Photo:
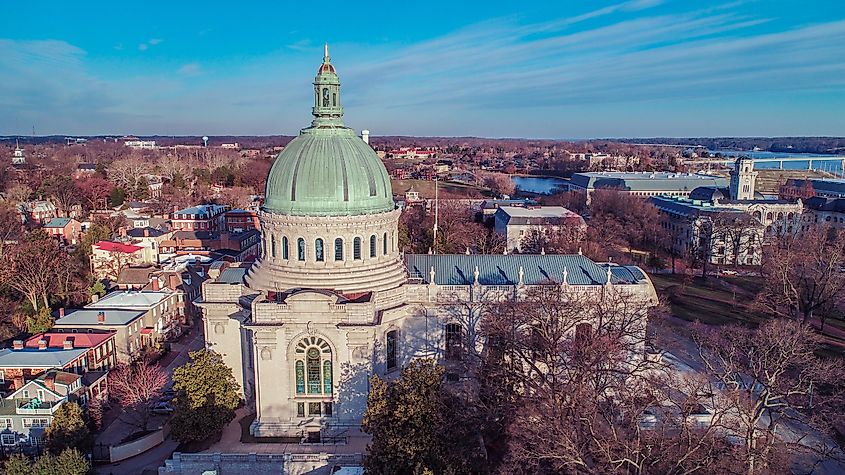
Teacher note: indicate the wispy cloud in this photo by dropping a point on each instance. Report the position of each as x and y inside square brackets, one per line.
[151, 42]
[190, 69]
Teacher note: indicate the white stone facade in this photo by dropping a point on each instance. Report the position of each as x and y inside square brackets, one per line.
[369, 253]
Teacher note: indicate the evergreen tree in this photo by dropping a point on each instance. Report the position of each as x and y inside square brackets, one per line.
[418, 426]
[18, 465]
[40, 322]
[207, 395]
[68, 429]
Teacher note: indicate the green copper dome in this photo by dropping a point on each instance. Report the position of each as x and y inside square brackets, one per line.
[327, 170]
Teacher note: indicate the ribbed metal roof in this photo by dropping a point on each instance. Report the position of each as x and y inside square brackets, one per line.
[494, 269]
[232, 275]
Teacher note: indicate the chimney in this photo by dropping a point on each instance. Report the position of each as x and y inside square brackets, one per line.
[42, 344]
[365, 136]
[173, 280]
[68, 344]
[101, 317]
[155, 283]
[95, 298]
[62, 312]
[50, 381]
[146, 232]
[17, 345]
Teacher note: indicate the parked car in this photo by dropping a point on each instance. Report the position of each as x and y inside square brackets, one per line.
[162, 408]
[729, 272]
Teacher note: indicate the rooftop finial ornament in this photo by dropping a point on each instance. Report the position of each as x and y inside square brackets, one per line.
[326, 52]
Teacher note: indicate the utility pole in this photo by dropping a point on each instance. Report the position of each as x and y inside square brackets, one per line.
[436, 216]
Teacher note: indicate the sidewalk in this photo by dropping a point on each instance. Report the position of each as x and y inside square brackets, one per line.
[230, 442]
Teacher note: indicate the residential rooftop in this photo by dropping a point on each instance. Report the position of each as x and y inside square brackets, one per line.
[57, 223]
[89, 317]
[35, 358]
[131, 299]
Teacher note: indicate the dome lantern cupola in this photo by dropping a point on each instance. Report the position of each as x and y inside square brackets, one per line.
[327, 106]
[328, 170]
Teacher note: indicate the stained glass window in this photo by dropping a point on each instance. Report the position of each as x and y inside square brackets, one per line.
[327, 377]
[300, 377]
[284, 247]
[313, 370]
[373, 245]
[391, 349]
[300, 249]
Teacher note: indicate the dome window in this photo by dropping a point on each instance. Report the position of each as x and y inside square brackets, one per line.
[338, 249]
[300, 249]
[319, 253]
[356, 249]
[284, 247]
[373, 246]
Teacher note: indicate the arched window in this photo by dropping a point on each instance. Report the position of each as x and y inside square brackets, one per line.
[319, 252]
[334, 99]
[327, 377]
[313, 367]
[300, 377]
[373, 245]
[758, 215]
[300, 249]
[325, 97]
[769, 216]
[780, 216]
[356, 248]
[391, 349]
[284, 247]
[273, 246]
[454, 343]
[384, 244]
[338, 249]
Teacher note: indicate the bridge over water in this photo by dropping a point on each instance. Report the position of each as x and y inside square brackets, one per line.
[840, 159]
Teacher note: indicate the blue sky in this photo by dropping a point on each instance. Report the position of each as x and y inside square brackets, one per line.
[561, 69]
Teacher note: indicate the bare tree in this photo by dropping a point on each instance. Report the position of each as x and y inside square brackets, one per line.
[802, 274]
[18, 193]
[126, 172]
[776, 396]
[136, 386]
[30, 267]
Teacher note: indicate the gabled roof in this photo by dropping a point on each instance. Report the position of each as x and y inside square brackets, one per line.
[145, 232]
[35, 358]
[38, 383]
[494, 269]
[59, 377]
[136, 275]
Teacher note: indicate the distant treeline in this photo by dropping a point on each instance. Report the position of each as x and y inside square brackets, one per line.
[832, 145]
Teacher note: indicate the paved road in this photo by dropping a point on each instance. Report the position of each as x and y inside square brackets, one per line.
[119, 429]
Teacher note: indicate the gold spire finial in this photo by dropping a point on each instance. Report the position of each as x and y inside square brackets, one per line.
[326, 52]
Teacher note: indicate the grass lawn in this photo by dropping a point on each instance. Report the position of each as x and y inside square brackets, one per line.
[710, 302]
[444, 189]
[721, 301]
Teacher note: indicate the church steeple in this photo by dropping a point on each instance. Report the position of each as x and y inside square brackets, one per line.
[327, 106]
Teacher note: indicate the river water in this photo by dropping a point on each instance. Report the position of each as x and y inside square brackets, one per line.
[543, 185]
